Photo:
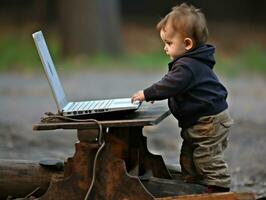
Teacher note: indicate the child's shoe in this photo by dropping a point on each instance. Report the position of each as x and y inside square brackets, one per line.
[215, 189]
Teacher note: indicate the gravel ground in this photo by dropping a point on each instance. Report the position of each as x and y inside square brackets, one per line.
[24, 98]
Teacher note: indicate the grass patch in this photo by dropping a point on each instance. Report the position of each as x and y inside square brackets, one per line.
[148, 61]
[252, 58]
[18, 53]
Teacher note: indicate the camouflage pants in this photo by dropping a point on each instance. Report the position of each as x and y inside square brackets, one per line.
[201, 156]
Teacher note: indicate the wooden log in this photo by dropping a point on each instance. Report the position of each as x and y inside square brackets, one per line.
[18, 178]
[214, 196]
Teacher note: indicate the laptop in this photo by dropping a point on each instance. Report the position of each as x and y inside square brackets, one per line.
[67, 108]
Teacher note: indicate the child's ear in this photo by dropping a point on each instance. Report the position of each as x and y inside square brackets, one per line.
[188, 43]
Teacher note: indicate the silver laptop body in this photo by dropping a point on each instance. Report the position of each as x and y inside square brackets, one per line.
[75, 108]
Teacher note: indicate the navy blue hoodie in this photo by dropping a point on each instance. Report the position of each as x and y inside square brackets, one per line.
[191, 87]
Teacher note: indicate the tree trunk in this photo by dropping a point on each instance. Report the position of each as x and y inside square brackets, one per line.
[90, 26]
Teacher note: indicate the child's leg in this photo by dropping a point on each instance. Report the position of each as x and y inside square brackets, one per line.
[209, 138]
[188, 169]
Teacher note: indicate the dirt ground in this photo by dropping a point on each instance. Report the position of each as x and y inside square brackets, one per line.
[24, 99]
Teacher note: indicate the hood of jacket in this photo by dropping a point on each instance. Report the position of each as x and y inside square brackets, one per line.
[203, 53]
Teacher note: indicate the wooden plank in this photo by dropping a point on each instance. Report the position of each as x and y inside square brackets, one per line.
[147, 115]
[213, 196]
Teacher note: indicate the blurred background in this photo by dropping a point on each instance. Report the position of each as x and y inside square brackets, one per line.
[109, 49]
[90, 32]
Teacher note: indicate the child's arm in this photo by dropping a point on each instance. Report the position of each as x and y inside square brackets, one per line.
[175, 82]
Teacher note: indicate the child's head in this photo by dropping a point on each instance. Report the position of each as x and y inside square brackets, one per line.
[182, 29]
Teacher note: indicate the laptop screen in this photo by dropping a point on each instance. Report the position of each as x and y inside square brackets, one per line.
[50, 71]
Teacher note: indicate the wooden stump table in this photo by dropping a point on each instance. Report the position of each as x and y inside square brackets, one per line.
[124, 168]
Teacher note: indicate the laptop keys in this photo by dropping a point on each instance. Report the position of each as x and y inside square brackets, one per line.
[89, 106]
[83, 105]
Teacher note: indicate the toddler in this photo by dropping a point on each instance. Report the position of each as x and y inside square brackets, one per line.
[196, 97]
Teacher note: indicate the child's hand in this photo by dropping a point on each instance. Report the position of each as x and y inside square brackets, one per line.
[139, 96]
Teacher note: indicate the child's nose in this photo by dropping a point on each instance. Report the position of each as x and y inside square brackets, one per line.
[165, 48]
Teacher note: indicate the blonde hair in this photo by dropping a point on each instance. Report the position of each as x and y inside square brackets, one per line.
[188, 21]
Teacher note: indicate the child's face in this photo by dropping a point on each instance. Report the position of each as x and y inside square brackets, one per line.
[174, 44]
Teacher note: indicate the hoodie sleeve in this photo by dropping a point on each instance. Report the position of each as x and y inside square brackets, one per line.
[173, 83]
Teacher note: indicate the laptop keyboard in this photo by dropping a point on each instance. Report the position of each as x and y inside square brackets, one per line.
[90, 105]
